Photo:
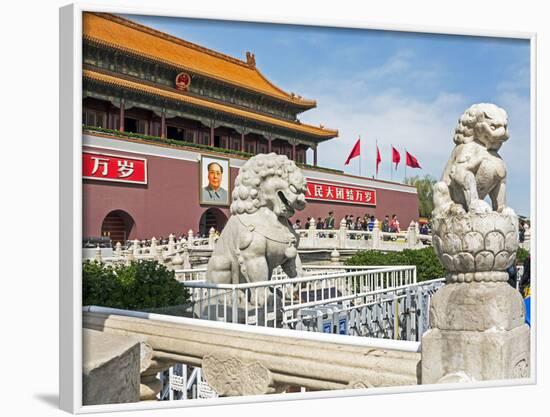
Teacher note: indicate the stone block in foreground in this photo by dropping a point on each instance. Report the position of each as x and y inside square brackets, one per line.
[111, 368]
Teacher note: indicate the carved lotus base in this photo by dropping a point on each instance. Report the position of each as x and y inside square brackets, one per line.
[476, 247]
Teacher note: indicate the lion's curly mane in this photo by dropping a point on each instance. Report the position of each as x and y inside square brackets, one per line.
[246, 194]
[464, 131]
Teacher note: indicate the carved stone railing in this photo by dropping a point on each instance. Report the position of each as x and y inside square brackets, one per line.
[247, 360]
[344, 238]
[311, 238]
[175, 254]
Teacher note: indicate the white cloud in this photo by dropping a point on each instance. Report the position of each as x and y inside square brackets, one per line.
[423, 126]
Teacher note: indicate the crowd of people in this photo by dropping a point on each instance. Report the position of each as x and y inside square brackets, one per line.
[365, 223]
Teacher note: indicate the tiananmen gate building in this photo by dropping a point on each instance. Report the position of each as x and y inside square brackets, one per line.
[160, 114]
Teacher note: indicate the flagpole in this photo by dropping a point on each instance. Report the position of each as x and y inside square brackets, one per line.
[376, 158]
[360, 157]
[391, 162]
[404, 179]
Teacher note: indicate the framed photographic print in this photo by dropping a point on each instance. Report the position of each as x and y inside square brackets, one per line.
[416, 163]
[215, 181]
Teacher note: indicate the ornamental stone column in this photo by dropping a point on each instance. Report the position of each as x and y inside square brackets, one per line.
[342, 233]
[376, 234]
[477, 319]
[312, 228]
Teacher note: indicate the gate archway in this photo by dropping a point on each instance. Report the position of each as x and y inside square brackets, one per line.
[117, 225]
[213, 217]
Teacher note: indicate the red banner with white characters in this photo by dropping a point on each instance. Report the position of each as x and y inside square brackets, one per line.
[100, 166]
[340, 193]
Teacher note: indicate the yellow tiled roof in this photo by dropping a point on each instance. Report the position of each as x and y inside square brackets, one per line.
[320, 132]
[132, 37]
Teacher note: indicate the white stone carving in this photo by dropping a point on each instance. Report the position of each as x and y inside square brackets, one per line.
[474, 242]
[259, 361]
[477, 319]
[231, 376]
[258, 237]
[475, 169]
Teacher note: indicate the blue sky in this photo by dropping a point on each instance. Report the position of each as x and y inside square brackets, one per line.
[405, 89]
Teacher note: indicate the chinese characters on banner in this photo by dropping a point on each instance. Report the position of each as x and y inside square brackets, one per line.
[114, 168]
[340, 193]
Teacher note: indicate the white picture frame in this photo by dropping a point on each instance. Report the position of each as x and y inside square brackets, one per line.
[71, 211]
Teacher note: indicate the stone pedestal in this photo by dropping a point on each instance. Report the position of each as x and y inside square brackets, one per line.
[478, 333]
[466, 356]
[477, 319]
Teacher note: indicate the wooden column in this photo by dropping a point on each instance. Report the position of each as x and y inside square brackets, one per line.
[294, 151]
[163, 125]
[212, 135]
[121, 116]
[242, 141]
[315, 156]
[269, 139]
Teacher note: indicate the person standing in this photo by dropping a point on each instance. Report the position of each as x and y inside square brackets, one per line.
[394, 224]
[320, 223]
[329, 220]
[386, 224]
[371, 223]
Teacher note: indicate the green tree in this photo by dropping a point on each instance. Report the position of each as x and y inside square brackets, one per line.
[424, 188]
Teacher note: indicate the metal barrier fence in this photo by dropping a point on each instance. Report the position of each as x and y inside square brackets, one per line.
[277, 302]
[393, 313]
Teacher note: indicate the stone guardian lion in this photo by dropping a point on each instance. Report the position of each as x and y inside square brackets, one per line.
[475, 170]
[258, 237]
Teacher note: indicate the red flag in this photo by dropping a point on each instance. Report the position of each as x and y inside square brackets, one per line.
[412, 161]
[395, 156]
[356, 151]
[378, 158]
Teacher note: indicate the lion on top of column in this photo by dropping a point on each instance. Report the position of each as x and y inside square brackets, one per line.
[475, 170]
[258, 237]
